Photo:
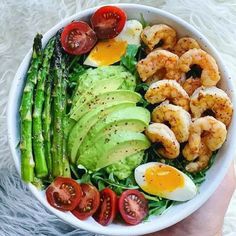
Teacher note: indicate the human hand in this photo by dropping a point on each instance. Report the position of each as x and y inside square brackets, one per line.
[207, 220]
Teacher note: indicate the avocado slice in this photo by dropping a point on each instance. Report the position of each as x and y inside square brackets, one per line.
[81, 128]
[105, 72]
[124, 168]
[130, 113]
[98, 87]
[112, 148]
[134, 119]
[105, 98]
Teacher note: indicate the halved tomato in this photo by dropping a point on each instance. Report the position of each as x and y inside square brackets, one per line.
[89, 203]
[64, 194]
[78, 38]
[107, 210]
[108, 21]
[133, 206]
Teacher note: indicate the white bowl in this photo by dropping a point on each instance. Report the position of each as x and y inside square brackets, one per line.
[214, 175]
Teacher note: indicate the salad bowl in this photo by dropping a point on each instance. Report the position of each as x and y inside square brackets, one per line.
[215, 174]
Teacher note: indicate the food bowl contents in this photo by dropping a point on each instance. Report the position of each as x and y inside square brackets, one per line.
[120, 117]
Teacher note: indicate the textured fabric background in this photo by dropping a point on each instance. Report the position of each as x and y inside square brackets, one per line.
[20, 213]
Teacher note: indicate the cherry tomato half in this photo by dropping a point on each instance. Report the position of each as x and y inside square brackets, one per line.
[89, 203]
[78, 38]
[107, 210]
[108, 21]
[64, 194]
[133, 206]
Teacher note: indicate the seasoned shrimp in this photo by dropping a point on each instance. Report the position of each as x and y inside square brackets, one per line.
[208, 130]
[167, 90]
[176, 116]
[214, 99]
[191, 84]
[202, 162]
[210, 73]
[159, 34]
[159, 75]
[160, 133]
[157, 60]
[184, 44]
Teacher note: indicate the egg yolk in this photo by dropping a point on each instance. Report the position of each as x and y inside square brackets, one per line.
[108, 52]
[161, 179]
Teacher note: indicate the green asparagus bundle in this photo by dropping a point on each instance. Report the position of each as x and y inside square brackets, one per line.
[27, 160]
[41, 168]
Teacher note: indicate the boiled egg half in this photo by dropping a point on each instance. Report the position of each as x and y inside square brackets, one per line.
[165, 181]
[110, 51]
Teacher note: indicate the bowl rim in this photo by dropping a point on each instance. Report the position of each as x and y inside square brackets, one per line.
[128, 230]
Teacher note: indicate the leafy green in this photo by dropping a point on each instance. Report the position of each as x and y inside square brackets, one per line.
[129, 60]
[76, 71]
[158, 207]
[102, 179]
[143, 21]
[142, 87]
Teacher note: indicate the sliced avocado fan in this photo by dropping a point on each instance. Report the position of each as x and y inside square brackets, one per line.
[108, 125]
[81, 128]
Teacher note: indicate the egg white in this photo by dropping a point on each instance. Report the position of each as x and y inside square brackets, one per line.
[185, 193]
[130, 34]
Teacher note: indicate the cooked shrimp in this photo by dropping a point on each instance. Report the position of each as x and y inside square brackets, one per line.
[167, 90]
[191, 84]
[210, 73]
[208, 130]
[159, 75]
[159, 34]
[160, 133]
[157, 60]
[184, 44]
[202, 162]
[178, 118]
[214, 99]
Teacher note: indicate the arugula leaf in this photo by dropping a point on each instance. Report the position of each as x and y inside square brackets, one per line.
[129, 60]
[77, 71]
[101, 185]
[143, 21]
[86, 178]
[116, 183]
[142, 87]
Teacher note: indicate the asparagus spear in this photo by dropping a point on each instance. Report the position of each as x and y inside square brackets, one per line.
[46, 118]
[57, 111]
[65, 160]
[27, 160]
[38, 141]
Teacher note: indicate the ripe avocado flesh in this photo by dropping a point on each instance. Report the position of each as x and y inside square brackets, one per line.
[98, 87]
[112, 148]
[103, 99]
[124, 168]
[93, 76]
[134, 119]
[82, 127]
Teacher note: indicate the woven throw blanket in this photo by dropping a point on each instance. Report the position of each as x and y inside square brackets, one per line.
[20, 20]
